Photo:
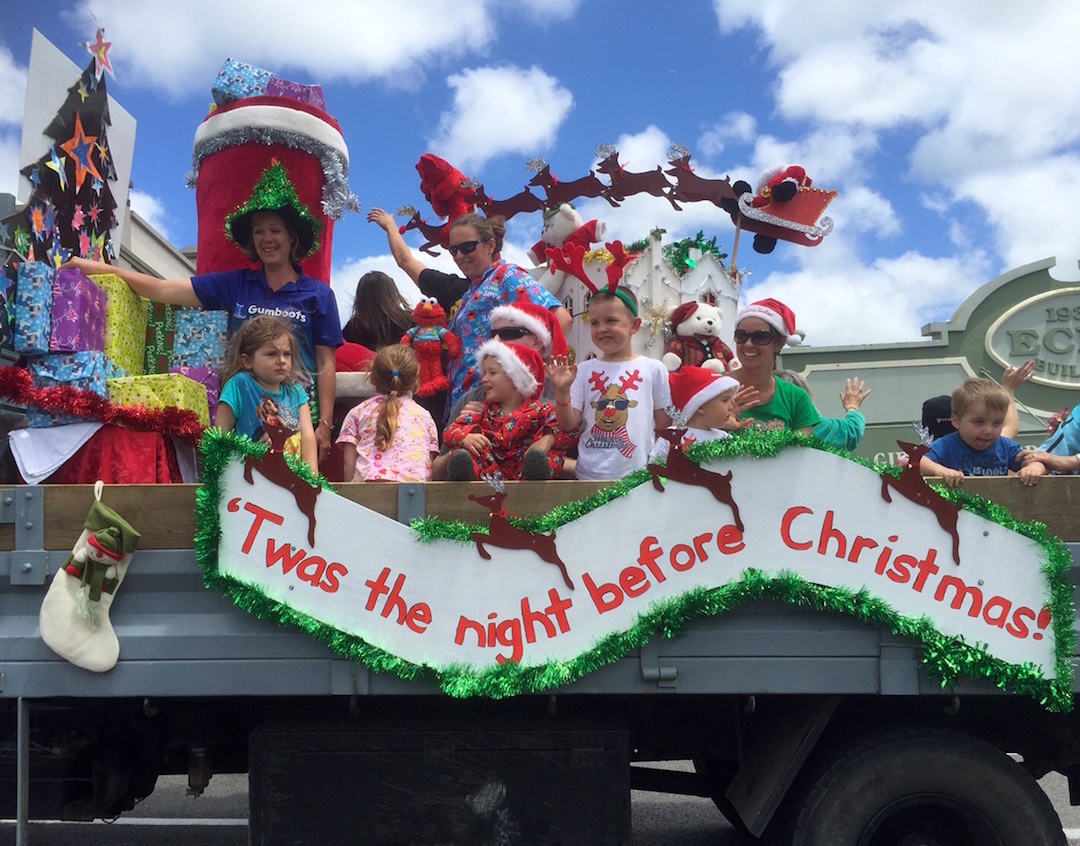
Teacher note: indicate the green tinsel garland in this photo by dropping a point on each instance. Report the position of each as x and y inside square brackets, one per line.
[678, 254]
[945, 658]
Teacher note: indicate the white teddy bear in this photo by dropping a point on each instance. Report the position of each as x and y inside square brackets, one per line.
[562, 225]
[697, 338]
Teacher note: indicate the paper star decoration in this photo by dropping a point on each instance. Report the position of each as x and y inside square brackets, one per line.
[77, 217]
[37, 218]
[97, 246]
[95, 212]
[35, 178]
[22, 240]
[100, 51]
[79, 147]
[83, 92]
[56, 162]
[84, 243]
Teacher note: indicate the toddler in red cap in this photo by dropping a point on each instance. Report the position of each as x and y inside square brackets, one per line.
[513, 432]
[702, 400]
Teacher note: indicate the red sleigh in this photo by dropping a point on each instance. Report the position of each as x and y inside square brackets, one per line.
[798, 220]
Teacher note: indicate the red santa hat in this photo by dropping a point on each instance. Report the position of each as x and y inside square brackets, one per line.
[777, 315]
[524, 366]
[692, 387]
[540, 321]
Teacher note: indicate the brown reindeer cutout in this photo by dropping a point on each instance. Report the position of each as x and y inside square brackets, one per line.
[502, 534]
[682, 469]
[431, 232]
[690, 188]
[274, 469]
[912, 486]
[564, 192]
[624, 184]
[521, 203]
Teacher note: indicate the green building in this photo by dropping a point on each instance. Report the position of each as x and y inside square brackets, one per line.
[1024, 314]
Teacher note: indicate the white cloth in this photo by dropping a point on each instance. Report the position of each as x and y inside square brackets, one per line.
[693, 436]
[41, 452]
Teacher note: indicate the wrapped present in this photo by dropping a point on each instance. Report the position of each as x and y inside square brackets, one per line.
[33, 307]
[208, 377]
[9, 275]
[125, 323]
[160, 335]
[310, 94]
[201, 338]
[78, 313]
[161, 390]
[88, 370]
[237, 80]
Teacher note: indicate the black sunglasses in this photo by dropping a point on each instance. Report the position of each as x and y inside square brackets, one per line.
[620, 404]
[510, 333]
[761, 338]
[465, 247]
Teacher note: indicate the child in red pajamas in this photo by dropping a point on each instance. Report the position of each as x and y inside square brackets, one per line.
[515, 433]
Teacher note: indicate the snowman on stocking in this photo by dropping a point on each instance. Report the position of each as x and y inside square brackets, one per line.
[74, 618]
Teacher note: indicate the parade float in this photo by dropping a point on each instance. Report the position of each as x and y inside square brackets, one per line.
[840, 648]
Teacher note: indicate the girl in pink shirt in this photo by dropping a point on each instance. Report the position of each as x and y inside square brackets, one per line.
[389, 437]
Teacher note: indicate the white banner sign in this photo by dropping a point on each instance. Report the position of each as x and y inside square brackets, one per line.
[441, 604]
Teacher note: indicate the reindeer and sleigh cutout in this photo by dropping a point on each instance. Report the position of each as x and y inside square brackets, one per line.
[518, 605]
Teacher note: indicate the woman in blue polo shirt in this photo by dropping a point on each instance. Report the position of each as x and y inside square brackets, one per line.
[275, 229]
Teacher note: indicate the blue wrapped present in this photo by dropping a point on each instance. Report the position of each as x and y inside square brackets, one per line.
[33, 307]
[87, 371]
[201, 338]
[237, 80]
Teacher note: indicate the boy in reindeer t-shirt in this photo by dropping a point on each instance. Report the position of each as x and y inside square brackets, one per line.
[619, 398]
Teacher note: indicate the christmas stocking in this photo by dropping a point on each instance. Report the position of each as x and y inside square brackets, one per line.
[74, 619]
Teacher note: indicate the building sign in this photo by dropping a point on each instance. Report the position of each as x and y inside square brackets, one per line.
[1046, 329]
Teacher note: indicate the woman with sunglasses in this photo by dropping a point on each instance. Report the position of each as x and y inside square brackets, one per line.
[486, 282]
[762, 329]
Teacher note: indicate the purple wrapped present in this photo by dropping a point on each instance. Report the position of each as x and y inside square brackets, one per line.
[201, 338]
[237, 80]
[33, 307]
[78, 313]
[310, 94]
[207, 376]
[87, 371]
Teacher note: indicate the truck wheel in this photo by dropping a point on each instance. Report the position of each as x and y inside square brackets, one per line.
[918, 787]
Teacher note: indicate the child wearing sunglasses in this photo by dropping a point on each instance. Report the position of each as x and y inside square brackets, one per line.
[513, 433]
[619, 399]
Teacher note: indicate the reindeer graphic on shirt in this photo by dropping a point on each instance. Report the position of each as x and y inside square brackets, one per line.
[612, 411]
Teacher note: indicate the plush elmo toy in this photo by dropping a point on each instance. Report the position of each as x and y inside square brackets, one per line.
[429, 338]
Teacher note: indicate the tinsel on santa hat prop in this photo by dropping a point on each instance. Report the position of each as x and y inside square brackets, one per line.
[74, 618]
[233, 147]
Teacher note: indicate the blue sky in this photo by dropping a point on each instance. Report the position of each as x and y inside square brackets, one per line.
[950, 129]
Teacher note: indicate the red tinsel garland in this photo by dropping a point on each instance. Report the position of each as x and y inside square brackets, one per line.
[17, 385]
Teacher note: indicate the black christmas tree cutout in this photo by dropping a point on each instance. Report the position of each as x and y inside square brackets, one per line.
[71, 210]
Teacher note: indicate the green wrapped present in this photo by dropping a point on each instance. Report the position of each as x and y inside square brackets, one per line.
[125, 323]
[161, 390]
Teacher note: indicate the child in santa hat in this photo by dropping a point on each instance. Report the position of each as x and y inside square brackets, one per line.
[513, 432]
[704, 402]
[762, 330]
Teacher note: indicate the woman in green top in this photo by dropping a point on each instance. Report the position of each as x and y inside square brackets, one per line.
[762, 329]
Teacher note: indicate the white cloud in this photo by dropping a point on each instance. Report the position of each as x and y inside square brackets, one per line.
[355, 40]
[980, 102]
[150, 209]
[548, 11]
[12, 101]
[500, 110]
[841, 302]
[734, 126]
